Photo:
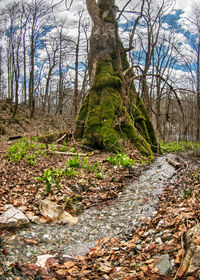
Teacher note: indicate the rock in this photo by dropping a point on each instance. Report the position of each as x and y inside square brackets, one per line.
[164, 264]
[56, 213]
[66, 218]
[158, 240]
[191, 261]
[13, 217]
[41, 260]
[50, 209]
[32, 217]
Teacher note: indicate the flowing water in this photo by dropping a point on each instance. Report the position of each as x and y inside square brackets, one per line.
[137, 200]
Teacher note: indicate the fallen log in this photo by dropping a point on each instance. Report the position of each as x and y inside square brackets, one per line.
[175, 164]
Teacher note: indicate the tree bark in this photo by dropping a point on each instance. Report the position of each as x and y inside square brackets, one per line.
[112, 113]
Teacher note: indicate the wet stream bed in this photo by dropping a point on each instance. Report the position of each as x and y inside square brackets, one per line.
[139, 199]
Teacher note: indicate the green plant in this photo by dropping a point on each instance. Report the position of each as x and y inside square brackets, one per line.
[121, 160]
[18, 150]
[187, 193]
[50, 176]
[31, 159]
[63, 148]
[70, 172]
[72, 150]
[144, 161]
[99, 175]
[94, 167]
[25, 148]
[74, 162]
[196, 176]
[179, 146]
[85, 160]
[52, 148]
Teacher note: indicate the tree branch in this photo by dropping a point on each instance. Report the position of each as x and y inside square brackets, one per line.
[164, 80]
[93, 10]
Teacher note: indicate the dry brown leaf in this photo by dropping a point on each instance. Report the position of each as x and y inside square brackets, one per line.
[61, 272]
[73, 271]
[151, 247]
[30, 241]
[144, 268]
[105, 267]
[182, 271]
[179, 256]
[68, 264]
[197, 241]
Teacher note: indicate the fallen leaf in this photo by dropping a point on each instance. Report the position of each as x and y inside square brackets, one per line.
[197, 241]
[182, 271]
[73, 271]
[30, 241]
[61, 272]
[151, 247]
[144, 268]
[68, 264]
[179, 256]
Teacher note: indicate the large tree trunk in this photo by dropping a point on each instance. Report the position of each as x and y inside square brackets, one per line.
[112, 112]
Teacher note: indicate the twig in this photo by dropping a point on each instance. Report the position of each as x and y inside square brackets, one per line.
[65, 153]
[182, 245]
[61, 138]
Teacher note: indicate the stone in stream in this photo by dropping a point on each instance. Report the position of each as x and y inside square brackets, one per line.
[41, 260]
[191, 261]
[13, 217]
[56, 213]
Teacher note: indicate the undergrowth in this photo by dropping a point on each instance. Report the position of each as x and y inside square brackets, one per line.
[26, 148]
[179, 146]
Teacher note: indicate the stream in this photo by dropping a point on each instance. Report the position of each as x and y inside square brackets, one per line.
[137, 200]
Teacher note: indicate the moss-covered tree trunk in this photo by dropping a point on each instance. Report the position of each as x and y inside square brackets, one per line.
[112, 112]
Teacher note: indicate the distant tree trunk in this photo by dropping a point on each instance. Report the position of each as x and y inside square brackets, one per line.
[76, 92]
[31, 78]
[60, 82]
[24, 62]
[112, 112]
[198, 91]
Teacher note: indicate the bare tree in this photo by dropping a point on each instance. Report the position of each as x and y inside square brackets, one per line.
[38, 14]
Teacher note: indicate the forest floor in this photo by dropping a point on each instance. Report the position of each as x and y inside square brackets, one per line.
[98, 184]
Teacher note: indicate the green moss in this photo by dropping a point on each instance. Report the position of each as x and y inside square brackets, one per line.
[108, 19]
[130, 132]
[106, 76]
[80, 122]
[99, 129]
[52, 137]
[104, 104]
[149, 130]
[69, 203]
[2, 130]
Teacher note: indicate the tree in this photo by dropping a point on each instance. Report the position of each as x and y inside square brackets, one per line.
[38, 14]
[113, 112]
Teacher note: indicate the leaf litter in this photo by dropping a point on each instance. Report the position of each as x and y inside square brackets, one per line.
[133, 251]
